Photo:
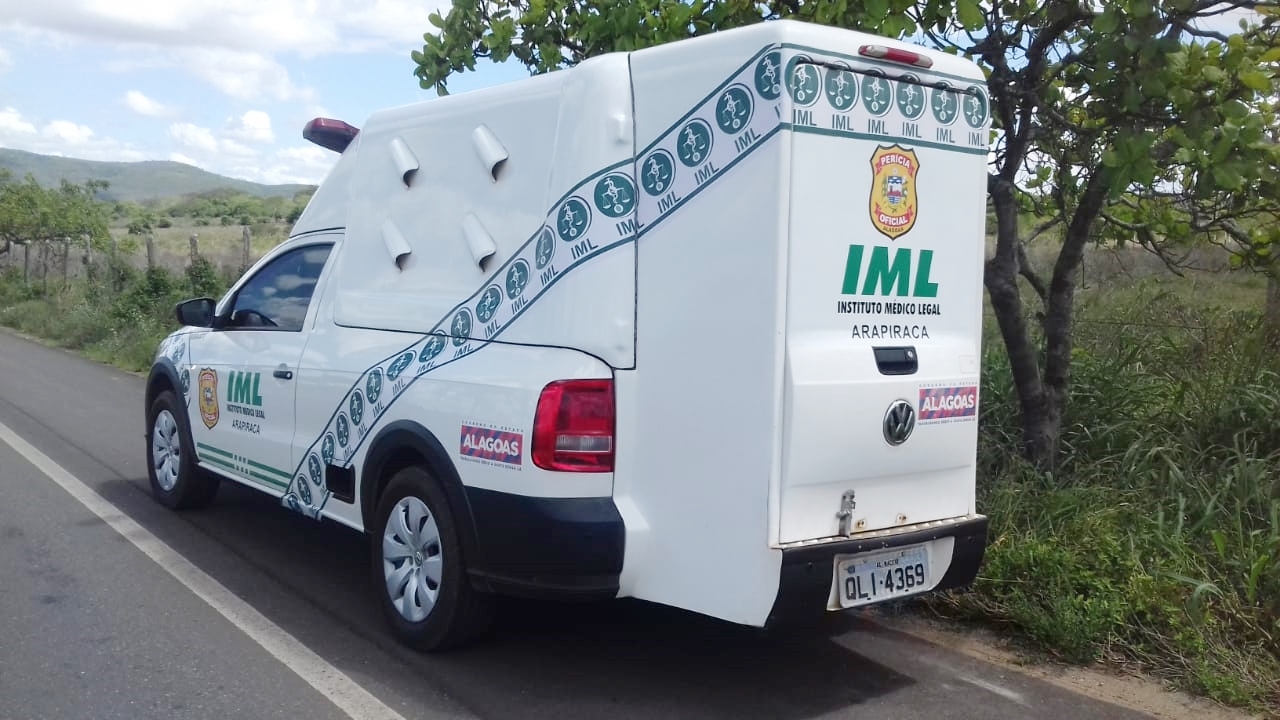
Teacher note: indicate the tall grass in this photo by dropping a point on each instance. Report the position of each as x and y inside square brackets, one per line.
[117, 315]
[1158, 541]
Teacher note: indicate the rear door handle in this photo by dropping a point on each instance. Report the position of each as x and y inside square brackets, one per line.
[283, 372]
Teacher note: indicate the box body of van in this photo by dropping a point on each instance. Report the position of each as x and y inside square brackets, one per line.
[698, 324]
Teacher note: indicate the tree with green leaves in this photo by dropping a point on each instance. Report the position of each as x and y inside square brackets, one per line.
[1114, 118]
[30, 213]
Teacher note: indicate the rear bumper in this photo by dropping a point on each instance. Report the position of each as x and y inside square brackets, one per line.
[807, 572]
[554, 548]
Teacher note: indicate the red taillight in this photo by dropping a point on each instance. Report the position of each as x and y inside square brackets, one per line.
[906, 57]
[573, 427]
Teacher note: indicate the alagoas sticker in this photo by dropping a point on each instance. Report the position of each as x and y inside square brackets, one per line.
[893, 190]
[209, 397]
[948, 403]
[492, 446]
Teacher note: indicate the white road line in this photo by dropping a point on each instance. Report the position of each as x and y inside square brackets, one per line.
[329, 681]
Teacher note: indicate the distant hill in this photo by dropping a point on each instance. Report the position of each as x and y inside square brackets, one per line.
[133, 180]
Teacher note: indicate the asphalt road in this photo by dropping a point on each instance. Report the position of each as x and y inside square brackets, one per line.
[90, 627]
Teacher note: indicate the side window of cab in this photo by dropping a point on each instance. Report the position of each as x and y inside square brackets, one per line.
[277, 296]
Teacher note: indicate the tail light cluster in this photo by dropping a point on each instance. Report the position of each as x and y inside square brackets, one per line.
[573, 429]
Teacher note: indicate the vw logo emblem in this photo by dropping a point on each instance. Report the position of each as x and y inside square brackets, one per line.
[899, 421]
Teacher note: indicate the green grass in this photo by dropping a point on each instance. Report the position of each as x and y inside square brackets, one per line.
[221, 245]
[1157, 544]
[120, 322]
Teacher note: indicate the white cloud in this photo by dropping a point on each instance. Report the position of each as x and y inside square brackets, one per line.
[243, 75]
[254, 126]
[11, 123]
[62, 138]
[305, 164]
[308, 27]
[67, 132]
[144, 105]
[243, 49]
[193, 136]
[231, 147]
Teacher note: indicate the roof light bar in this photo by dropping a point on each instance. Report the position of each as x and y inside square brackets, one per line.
[906, 57]
[330, 134]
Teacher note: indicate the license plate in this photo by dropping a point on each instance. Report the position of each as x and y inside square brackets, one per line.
[875, 577]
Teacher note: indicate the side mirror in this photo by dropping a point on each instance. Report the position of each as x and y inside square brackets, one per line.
[195, 313]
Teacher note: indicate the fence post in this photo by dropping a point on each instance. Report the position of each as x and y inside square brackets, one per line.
[195, 247]
[151, 252]
[44, 267]
[1271, 314]
[244, 252]
[26, 263]
[112, 273]
[66, 262]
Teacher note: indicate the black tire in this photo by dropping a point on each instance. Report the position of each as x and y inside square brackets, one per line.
[460, 614]
[193, 487]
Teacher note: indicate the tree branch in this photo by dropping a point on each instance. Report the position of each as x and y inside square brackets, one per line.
[1026, 271]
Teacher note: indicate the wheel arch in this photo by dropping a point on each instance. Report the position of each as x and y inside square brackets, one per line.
[163, 376]
[404, 443]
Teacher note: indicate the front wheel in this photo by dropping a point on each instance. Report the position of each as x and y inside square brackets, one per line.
[176, 481]
[418, 567]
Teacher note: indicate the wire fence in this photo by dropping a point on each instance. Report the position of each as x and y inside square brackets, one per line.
[66, 260]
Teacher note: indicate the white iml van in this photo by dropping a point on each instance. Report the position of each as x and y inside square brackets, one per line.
[697, 324]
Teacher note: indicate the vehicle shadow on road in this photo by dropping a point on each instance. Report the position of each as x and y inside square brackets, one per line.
[625, 658]
[637, 659]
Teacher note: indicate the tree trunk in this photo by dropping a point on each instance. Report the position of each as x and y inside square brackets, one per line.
[1060, 307]
[1039, 426]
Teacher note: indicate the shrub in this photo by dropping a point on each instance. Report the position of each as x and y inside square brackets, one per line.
[1158, 540]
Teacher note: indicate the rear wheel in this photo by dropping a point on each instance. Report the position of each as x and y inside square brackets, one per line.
[176, 481]
[418, 568]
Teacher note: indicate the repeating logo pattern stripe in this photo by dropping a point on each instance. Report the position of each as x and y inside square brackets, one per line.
[614, 206]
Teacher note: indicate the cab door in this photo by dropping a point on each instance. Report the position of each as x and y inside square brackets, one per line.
[244, 370]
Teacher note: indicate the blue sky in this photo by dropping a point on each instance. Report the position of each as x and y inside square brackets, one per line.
[226, 86]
